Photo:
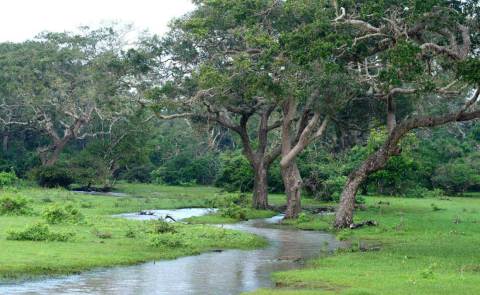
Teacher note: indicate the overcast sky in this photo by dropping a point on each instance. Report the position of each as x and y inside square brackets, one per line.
[23, 19]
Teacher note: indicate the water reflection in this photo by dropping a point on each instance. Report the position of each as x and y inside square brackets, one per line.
[228, 272]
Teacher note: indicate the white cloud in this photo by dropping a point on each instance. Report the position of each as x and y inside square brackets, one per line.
[23, 19]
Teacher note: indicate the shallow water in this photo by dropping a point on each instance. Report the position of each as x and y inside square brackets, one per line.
[177, 214]
[227, 272]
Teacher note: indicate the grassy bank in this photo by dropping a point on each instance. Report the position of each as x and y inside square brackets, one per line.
[421, 246]
[99, 240]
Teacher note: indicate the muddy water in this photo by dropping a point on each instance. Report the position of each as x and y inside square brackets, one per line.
[227, 272]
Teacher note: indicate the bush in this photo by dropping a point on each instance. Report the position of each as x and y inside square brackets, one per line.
[459, 175]
[53, 176]
[234, 211]
[160, 226]
[38, 232]
[235, 173]
[14, 206]
[168, 240]
[55, 214]
[8, 178]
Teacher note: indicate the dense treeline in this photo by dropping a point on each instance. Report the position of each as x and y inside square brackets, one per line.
[322, 97]
[178, 154]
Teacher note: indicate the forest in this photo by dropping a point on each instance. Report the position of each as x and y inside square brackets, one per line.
[354, 118]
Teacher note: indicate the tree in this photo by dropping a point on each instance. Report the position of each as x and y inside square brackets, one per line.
[60, 83]
[410, 51]
[215, 66]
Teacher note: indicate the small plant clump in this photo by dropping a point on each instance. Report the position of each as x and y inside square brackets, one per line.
[56, 214]
[14, 206]
[160, 226]
[170, 240]
[103, 235]
[234, 207]
[38, 232]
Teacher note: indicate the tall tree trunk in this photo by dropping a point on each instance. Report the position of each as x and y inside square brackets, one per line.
[6, 139]
[346, 207]
[293, 189]
[260, 186]
[391, 117]
[51, 158]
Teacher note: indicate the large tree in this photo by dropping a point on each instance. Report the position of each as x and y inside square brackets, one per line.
[59, 83]
[418, 59]
[217, 65]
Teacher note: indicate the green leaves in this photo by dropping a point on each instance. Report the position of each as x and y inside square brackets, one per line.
[403, 64]
[469, 70]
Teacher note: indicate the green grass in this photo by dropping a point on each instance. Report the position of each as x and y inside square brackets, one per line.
[423, 250]
[87, 250]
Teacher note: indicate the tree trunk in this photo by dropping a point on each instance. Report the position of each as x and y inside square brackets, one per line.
[260, 186]
[344, 216]
[391, 117]
[293, 189]
[6, 139]
[52, 158]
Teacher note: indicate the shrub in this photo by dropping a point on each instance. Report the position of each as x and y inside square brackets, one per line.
[235, 173]
[459, 175]
[14, 206]
[130, 234]
[304, 217]
[234, 211]
[55, 214]
[170, 240]
[38, 232]
[160, 226]
[53, 176]
[8, 178]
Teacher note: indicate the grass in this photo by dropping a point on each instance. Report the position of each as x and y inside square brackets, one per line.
[421, 246]
[101, 240]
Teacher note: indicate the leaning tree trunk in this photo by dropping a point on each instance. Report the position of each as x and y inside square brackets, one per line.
[260, 186]
[52, 154]
[293, 189]
[346, 207]
[390, 148]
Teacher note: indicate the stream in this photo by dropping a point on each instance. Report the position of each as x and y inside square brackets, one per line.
[225, 272]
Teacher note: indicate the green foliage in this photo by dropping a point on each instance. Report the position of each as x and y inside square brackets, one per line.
[169, 239]
[233, 206]
[405, 63]
[459, 175]
[53, 176]
[55, 214]
[469, 70]
[14, 205]
[161, 227]
[184, 169]
[38, 232]
[235, 172]
[234, 211]
[8, 178]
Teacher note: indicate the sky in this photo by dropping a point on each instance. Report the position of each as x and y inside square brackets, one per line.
[23, 19]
